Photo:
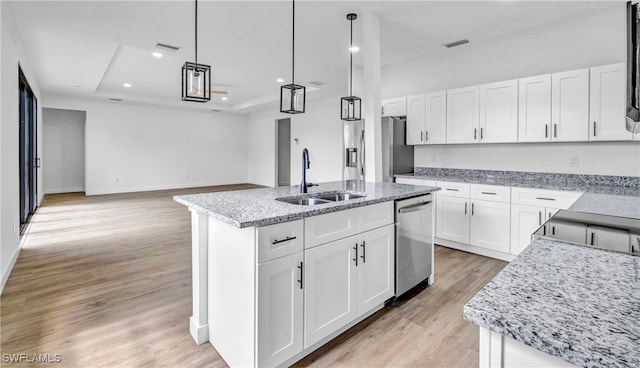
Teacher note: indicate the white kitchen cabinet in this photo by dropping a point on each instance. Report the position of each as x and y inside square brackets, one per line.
[607, 238]
[499, 112]
[375, 269]
[394, 106]
[489, 225]
[329, 281]
[345, 279]
[525, 220]
[435, 130]
[416, 118]
[607, 103]
[280, 309]
[452, 218]
[463, 110]
[570, 106]
[534, 108]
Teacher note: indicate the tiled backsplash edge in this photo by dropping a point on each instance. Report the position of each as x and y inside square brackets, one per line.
[577, 179]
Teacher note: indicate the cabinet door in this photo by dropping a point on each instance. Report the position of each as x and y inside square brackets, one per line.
[452, 219]
[394, 106]
[329, 282]
[534, 108]
[415, 119]
[436, 118]
[375, 270]
[570, 106]
[607, 103]
[279, 310]
[462, 115]
[607, 238]
[525, 220]
[499, 112]
[489, 225]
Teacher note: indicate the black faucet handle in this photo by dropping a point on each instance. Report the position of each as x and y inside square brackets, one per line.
[311, 185]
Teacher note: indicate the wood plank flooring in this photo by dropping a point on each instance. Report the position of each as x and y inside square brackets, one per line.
[105, 281]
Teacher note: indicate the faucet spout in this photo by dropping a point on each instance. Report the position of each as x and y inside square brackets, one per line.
[305, 165]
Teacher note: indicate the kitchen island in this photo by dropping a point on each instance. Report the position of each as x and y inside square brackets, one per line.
[273, 281]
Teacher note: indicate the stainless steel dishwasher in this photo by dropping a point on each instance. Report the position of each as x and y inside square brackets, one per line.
[414, 242]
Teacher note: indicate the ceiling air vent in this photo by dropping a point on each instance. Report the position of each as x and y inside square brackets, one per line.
[316, 83]
[115, 99]
[164, 46]
[456, 43]
[215, 110]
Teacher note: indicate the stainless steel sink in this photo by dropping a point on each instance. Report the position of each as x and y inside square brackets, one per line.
[321, 198]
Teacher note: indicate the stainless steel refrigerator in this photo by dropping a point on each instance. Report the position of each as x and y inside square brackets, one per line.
[397, 157]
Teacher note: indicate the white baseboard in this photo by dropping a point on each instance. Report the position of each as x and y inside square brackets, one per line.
[161, 187]
[63, 190]
[12, 262]
[477, 250]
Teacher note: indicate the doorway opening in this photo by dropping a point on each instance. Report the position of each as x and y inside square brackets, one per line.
[64, 150]
[28, 155]
[283, 152]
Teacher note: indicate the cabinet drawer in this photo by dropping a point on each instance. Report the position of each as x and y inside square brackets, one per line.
[452, 189]
[374, 216]
[329, 227]
[412, 181]
[543, 197]
[279, 240]
[493, 193]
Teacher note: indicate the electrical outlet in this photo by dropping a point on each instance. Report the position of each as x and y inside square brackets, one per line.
[433, 159]
[117, 180]
[574, 161]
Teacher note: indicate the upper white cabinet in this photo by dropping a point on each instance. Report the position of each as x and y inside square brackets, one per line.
[607, 103]
[499, 112]
[570, 106]
[426, 118]
[554, 107]
[416, 118]
[463, 110]
[394, 106]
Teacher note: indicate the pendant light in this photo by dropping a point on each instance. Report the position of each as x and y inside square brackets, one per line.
[196, 78]
[292, 96]
[351, 106]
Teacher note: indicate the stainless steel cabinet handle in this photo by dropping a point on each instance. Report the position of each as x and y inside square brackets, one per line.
[555, 130]
[539, 217]
[553, 230]
[546, 130]
[489, 193]
[283, 240]
[465, 208]
[546, 199]
[301, 272]
[481, 133]
[421, 136]
[475, 133]
[382, 110]
[426, 135]
[593, 238]
[550, 214]
[364, 255]
[356, 259]
[472, 208]
[594, 128]
[451, 189]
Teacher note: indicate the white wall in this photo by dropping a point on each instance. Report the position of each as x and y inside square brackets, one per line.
[12, 54]
[63, 150]
[319, 130]
[574, 43]
[134, 147]
[606, 158]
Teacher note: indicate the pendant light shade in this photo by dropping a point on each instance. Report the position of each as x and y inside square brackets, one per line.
[196, 78]
[351, 106]
[292, 96]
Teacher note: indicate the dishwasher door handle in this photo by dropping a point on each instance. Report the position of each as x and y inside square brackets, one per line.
[414, 207]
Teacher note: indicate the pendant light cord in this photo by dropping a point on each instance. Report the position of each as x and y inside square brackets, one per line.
[351, 60]
[293, 40]
[196, 32]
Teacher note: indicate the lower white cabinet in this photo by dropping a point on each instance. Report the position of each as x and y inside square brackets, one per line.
[280, 309]
[525, 220]
[489, 225]
[345, 279]
[452, 218]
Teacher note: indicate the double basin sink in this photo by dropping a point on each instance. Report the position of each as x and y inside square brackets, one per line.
[321, 198]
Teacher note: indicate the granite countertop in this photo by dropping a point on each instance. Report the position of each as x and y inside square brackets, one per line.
[577, 303]
[258, 207]
[607, 204]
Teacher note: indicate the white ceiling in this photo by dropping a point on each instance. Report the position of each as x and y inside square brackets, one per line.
[90, 48]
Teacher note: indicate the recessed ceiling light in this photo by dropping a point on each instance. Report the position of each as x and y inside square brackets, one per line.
[128, 85]
[157, 54]
[280, 80]
[354, 49]
[76, 86]
[224, 98]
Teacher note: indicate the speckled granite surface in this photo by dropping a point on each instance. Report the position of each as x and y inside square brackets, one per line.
[616, 185]
[258, 207]
[579, 304]
[606, 204]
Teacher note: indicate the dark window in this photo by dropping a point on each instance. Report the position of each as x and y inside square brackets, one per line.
[27, 107]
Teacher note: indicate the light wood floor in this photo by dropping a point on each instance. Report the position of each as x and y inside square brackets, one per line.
[105, 281]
